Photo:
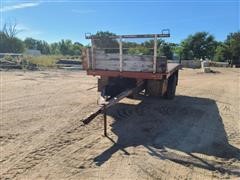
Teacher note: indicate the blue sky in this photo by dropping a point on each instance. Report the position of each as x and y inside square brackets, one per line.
[54, 20]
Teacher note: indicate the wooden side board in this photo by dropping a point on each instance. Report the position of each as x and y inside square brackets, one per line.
[134, 63]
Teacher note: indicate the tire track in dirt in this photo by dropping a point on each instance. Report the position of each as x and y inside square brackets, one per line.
[129, 114]
[71, 149]
[56, 143]
[82, 158]
[7, 138]
[18, 164]
[72, 111]
[220, 165]
[4, 139]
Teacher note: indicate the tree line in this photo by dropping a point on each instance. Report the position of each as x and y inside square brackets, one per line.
[200, 45]
[64, 47]
[15, 45]
[11, 44]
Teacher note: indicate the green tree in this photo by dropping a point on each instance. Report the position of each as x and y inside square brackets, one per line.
[221, 53]
[104, 41]
[233, 47]
[31, 43]
[185, 51]
[138, 50]
[201, 45]
[44, 47]
[40, 45]
[10, 44]
[77, 48]
[10, 29]
[166, 50]
[66, 47]
[150, 43]
[54, 48]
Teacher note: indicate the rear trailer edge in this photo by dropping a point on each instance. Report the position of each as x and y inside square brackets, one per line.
[131, 74]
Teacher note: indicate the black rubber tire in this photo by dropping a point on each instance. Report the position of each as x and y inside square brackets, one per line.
[153, 88]
[171, 89]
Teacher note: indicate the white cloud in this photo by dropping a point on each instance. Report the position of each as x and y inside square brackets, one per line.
[19, 6]
[83, 11]
[25, 31]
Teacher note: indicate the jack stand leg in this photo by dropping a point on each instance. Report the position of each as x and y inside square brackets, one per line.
[105, 122]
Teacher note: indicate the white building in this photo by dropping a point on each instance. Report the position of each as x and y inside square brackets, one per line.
[33, 52]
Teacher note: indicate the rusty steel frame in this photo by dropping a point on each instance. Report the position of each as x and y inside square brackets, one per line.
[130, 74]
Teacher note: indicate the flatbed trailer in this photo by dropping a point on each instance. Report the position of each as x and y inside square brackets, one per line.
[117, 69]
[123, 74]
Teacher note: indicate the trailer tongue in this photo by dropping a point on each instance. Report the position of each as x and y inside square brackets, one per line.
[105, 105]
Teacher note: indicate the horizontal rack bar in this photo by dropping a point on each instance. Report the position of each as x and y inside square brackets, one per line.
[130, 36]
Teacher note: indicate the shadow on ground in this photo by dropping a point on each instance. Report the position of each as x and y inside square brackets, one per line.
[186, 124]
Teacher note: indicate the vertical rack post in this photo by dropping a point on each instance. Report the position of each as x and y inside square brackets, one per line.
[92, 54]
[88, 58]
[120, 54]
[155, 54]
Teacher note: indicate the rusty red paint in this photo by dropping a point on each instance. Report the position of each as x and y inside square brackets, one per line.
[136, 75]
[128, 74]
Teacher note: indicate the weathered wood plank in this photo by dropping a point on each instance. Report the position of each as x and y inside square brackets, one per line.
[137, 66]
[115, 57]
[127, 65]
[138, 58]
[161, 64]
[107, 65]
[135, 63]
[130, 62]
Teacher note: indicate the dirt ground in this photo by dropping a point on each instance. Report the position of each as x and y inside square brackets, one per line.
[194, 136]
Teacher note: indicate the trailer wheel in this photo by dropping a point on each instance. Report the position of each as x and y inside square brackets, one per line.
[154, 87]
[171, 88]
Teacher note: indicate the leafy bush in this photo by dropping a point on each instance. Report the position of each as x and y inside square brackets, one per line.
[139, 50]
[220, 53]
[8, 58]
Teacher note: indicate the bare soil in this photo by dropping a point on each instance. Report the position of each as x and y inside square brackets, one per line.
[194, 136]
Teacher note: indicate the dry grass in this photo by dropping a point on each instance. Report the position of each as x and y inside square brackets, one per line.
[44, 60]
